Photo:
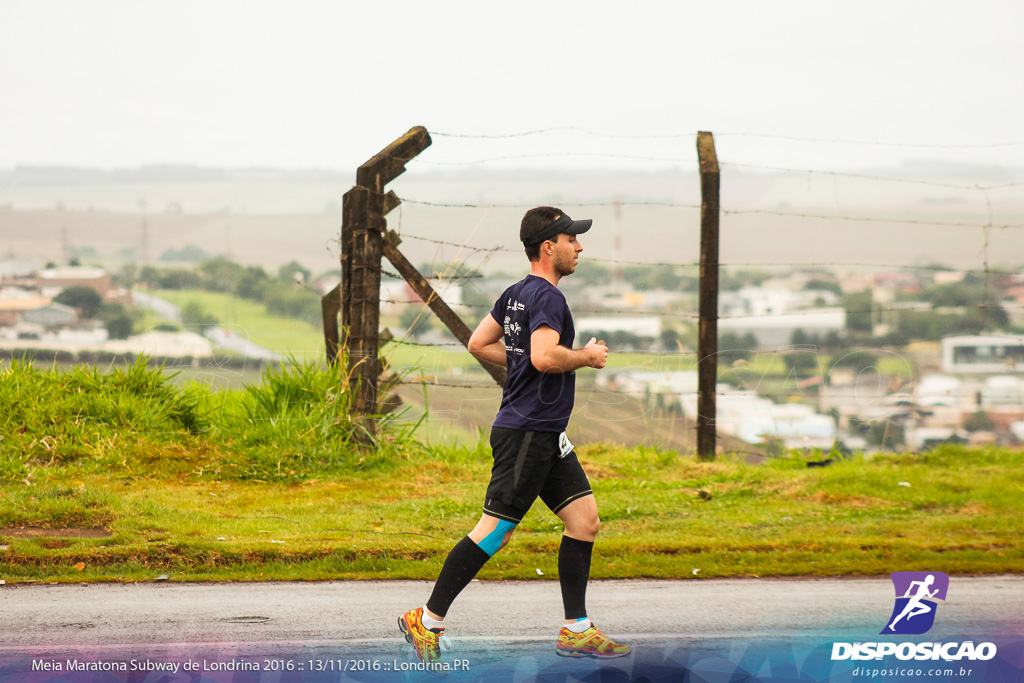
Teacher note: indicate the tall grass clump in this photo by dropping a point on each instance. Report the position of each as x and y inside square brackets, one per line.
[298, 421]
[52, 417]
[295, 424]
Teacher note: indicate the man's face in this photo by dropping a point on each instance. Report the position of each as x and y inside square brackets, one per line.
[565, 254]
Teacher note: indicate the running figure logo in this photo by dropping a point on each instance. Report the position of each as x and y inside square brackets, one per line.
[914, 612]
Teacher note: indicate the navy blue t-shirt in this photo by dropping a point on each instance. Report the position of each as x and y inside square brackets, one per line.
[533, 400]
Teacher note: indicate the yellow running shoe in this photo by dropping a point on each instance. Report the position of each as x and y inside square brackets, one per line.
[590, 643]
[429, 643]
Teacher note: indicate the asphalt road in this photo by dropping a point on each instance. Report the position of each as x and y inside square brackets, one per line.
[495, 623]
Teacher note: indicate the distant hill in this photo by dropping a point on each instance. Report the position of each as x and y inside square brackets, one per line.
[916, 213]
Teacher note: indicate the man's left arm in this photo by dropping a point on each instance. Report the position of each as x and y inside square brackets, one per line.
[548, 356]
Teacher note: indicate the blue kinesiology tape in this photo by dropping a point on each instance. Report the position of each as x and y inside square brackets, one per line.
[492, 541]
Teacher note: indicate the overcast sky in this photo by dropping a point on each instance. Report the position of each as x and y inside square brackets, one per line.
[114, 83]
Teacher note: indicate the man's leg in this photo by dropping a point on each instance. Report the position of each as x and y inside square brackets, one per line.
[465, 560]
[581, 527]
[424, 627]
[579, 637]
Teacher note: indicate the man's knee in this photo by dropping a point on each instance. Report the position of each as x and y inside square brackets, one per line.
[497, 538]
[585, 529]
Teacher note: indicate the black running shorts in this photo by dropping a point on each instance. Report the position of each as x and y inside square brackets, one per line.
[527, 466]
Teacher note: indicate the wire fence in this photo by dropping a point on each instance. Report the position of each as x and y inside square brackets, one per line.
[473, 257]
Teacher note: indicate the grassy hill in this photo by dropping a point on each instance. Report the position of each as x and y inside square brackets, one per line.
[250, 319]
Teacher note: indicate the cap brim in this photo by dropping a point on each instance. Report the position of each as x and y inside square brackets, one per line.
[577, 227]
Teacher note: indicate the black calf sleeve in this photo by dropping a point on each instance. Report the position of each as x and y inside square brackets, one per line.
[573, 575]
[461, 565]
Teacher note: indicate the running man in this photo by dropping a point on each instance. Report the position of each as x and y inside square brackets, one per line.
[530, 331]
[914, 605]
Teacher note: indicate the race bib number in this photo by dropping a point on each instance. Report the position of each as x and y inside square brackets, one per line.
[564, 445]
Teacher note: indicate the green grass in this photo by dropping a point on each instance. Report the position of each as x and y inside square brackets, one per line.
[663, 516]
[271, 482]
[251, 320]
[134, 419]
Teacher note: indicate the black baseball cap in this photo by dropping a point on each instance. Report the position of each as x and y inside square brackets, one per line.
[561, 224]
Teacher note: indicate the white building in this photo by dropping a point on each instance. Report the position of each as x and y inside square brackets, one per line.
[986, 354]
[395, 295]
[742, 414]
[938, 390]
[1002, 392]
[641, 326]
[776, 331]
[759, 301]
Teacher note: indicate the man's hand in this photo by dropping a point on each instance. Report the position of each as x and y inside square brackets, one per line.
[596, 352]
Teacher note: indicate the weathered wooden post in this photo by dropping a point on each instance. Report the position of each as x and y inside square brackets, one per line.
[330, 308]
[707, 343]
[423, 289]
[362, 228]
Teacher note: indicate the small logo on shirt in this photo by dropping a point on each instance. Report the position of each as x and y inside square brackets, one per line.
[511, 327]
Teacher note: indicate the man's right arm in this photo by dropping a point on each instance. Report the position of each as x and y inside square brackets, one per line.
[485, 342]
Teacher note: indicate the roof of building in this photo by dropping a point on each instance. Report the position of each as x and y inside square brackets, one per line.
[23, 303]
[72, 273]
[985, 339]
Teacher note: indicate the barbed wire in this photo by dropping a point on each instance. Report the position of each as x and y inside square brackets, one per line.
[868, 219]
[571, 203]
[985, 225]
[692, 264]
[667, 313]
[721, 163]
[863, 176]
[542, 155]
[406, 342]
[873, 143]
[726, 212]
[640, 396]
[692, 134]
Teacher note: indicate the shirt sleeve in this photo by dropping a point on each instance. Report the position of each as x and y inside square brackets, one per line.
[549, 309]
[498, 312]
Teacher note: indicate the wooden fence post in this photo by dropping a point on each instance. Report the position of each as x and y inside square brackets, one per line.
[363, 225]
[707, 344]
[330, 308]
[357, 298]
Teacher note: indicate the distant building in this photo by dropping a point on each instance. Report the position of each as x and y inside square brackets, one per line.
[776, 331]
[756, 419]
[985, 354]
[13, 268]
[163, 344]
[938, 390]
[758, 301]
[51, 315]
[395, 295]
[15, 302]
[1003, 391]
[52, 280]
[641, 326]
[743, 414]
